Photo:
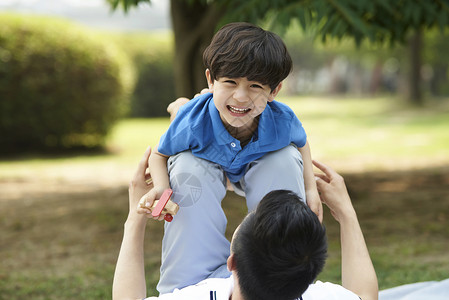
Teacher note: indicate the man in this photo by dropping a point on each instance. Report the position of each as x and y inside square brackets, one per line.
[260, 232]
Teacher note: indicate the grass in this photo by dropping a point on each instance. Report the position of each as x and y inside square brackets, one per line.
[62, 217]
[357, 135]
[352, 135]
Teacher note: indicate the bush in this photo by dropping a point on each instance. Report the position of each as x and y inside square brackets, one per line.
[152, 55]
[60, 85]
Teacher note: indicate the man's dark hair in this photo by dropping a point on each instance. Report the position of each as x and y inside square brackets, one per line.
[279, 249]
[246, 50]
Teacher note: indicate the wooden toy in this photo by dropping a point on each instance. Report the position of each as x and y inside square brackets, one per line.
[165, 206]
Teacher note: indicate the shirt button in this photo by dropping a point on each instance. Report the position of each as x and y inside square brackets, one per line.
[233, 145]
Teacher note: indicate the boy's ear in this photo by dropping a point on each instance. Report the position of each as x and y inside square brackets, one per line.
[210, 81]
[275, 92]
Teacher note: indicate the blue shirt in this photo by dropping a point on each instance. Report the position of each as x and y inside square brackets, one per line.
[199, 128]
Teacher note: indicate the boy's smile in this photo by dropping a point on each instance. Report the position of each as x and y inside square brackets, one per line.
[240, 101]
[238, 111]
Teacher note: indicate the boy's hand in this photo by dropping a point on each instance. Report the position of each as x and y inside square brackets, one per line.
[146, 202]
[314, 202]
[203, 91]
[141, 189]
[173, 107]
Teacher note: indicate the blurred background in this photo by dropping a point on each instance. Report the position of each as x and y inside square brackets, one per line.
[84, 87]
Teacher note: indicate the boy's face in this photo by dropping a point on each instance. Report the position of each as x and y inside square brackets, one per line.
[240, 101]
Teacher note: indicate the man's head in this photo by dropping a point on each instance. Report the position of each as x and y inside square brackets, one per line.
[246, 50]
[279, 249]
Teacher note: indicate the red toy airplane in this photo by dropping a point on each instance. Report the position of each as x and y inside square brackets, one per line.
[165, 205]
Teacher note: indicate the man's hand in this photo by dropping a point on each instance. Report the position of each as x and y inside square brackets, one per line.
[357, 271]
[332, 189]
[141, 182]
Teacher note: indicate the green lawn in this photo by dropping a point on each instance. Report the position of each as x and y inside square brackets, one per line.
[62, 217]
[350, 134]
[375, 134]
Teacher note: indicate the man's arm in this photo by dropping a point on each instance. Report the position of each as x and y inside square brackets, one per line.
[129, 277]
[358, 274]
[313, 199]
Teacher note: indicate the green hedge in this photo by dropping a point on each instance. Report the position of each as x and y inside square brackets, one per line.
[152, 54]
[61, 86]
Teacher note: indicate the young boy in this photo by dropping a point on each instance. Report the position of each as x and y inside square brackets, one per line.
[237, 132]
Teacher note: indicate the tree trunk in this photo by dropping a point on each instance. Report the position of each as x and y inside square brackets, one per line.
[194, 25]
[415, 95]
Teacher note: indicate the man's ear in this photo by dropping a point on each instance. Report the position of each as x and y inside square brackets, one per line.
[274, 92]
[210, 81]
[231, 263]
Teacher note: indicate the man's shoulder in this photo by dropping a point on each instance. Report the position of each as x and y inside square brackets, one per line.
[328, 291]
[213, 288]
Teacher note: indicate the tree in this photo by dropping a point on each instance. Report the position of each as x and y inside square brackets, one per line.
[435, 54]
[194, 23]
[379, 21]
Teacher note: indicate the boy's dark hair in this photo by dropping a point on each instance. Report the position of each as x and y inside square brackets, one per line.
[246, 50]
[279, 249]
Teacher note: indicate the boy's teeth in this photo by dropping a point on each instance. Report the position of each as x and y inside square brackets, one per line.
[238, 110]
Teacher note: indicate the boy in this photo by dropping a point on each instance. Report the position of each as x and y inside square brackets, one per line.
[237, 132]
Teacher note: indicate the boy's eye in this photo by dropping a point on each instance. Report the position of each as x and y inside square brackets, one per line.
[256, 86]
[230, 81]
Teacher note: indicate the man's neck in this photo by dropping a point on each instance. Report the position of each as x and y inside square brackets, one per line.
[236, 294]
